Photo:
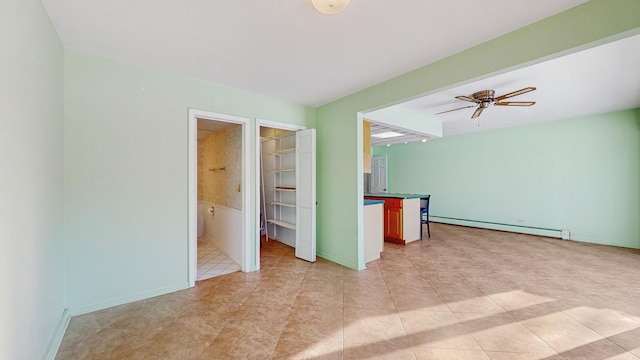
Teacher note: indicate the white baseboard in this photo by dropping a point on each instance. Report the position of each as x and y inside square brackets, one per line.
[56, 340]
[128, 299]
[556, 233]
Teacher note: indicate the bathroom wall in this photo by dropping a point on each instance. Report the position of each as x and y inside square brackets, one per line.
[224, 228]
[200, 168]
[221, 149]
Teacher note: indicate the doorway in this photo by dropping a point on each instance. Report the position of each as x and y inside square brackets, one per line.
[219, 198]
[241, 199]
[378, 174]
[283, 204]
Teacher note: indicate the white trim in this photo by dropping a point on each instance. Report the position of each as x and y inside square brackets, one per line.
[193, 186]
[275, 125]
[56, 340]
[494, 226]
[127, 299]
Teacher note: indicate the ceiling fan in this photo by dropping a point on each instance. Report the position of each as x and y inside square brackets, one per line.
[484, 98]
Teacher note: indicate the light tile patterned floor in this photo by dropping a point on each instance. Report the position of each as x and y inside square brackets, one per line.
[212, 262]
[462, 294]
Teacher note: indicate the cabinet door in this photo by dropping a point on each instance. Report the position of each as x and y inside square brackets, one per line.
[393, 222]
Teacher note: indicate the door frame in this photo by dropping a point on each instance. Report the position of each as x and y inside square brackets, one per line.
[275, 125]
[194, 115]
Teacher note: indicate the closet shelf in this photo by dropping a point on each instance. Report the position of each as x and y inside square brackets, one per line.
[280, 188]
[280, 203]
[284, 224]
[278, 137]
[283, 170]
[283, 151]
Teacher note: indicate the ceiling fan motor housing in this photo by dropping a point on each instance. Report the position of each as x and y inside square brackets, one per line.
[484, 95]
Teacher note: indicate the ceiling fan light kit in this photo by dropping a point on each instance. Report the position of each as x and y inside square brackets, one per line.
[330, 7]
[484, 98]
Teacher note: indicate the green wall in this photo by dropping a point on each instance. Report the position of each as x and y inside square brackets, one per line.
[578, 174]
[340, 218]
[126, 162]
[31, 178]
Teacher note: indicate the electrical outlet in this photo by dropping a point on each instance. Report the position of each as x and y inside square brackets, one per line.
[566, 234]
[521, 221]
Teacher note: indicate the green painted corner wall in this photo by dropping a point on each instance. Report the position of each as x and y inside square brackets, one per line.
[31, 196]
[579, 174]
[126, 174]
[340, 224]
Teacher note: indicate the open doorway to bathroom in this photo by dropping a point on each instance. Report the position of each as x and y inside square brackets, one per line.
[219, 198]
[218, 203]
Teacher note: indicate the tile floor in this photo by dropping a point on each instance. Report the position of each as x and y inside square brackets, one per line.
[212, 262]
[462, 294]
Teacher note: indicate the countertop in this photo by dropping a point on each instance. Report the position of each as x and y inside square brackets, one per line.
[373, 202]
[395, 195]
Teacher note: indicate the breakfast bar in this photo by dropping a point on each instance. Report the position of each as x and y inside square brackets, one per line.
[401, 216]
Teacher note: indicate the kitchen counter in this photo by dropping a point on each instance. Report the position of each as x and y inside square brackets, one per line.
[395, 195]
[402, 219]
[373, 202]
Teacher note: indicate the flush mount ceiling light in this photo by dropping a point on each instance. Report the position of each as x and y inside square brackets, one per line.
[386, 135]
[330, 7]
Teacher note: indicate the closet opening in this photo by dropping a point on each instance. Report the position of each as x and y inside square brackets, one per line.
[286, 194]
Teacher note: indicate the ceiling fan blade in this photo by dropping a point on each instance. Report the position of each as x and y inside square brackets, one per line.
[464, 107]
[467, 98]
[515, 93]
[477, 112]
[515, 103]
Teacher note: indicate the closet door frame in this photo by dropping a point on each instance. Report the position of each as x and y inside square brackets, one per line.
[275, 125]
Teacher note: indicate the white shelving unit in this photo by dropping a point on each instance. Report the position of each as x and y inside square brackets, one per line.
[281, 197]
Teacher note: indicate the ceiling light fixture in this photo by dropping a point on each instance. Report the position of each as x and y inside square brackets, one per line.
[386, 135]
[330, 7]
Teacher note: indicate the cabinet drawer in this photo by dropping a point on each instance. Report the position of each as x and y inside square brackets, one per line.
[392, 203]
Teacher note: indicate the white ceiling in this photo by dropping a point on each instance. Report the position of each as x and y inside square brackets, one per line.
[404, 135]
[594, 81]
[285, 48]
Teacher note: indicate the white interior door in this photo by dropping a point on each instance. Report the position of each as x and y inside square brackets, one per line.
[306, 194]
[379, 174]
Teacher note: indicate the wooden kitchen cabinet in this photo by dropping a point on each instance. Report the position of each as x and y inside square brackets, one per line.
[393, 224]
[366, 151]
[401, 218]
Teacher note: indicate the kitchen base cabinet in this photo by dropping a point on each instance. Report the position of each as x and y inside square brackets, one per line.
[393, 223]
[373, 230]
[401, 219]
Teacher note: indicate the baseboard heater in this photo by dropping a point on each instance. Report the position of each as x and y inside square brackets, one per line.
[532, 230]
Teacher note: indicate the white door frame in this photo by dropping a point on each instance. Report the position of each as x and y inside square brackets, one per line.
[194, 115]
[274, 125]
